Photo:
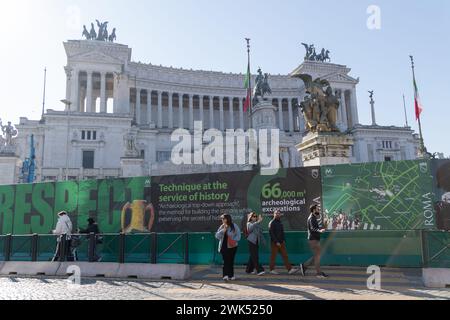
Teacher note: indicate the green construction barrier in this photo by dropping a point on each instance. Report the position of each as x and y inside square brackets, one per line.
[360, 248]
[46, 247]
[437, 249]
[171, 248]
[21, 248]
[109, 250]
[138, 248]
[357, 248]
[2, 248]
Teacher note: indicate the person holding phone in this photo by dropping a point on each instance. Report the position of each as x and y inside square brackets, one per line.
[315, 230]
[229, 236]
[255, 238]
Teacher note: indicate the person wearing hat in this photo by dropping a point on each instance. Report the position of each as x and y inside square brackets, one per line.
[93, 228]
[63, 228]
[255, 238]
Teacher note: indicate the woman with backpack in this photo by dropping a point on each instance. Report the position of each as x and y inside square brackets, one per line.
[255, 238]
[229, 236]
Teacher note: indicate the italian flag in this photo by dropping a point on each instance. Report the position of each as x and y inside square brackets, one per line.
[417, 102]
[247, 87]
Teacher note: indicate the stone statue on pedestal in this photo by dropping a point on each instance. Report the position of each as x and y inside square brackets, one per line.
[311, 55]
[102, 34]
[9, 133]
[320, 107]
[130, 145]
[262, 86]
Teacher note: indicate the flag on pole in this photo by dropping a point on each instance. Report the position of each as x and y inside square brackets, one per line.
[417, 102]
[247, 86]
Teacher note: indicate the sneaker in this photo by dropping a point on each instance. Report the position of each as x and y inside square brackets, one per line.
[293, 271]
[226, 278]
[261, 273]
[254, 273]
[233, 279]
[302, 269]
[322, 275]
[274, 272]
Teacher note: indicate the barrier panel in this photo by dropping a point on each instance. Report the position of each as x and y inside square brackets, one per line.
[413, 249]
[46, 247]
[138, 248]
[2, 248]
[359, 248]
[109, 249]
[171, 248]
[21, 247]
[436, 253]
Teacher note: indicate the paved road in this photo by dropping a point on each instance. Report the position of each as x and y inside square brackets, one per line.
[344, 283]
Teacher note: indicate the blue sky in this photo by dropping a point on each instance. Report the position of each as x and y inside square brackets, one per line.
[209, 35]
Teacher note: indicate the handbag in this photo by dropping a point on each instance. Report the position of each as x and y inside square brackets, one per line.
[231, 243]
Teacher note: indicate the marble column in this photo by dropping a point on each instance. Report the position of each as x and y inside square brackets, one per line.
[280, 114]
[170, 110]
[345, 124]
[138, 106]
[103, 100]
[202, 115]
[231, 101]
[354, 104]
[149, 107]
[191, 112]
[241, 113]
[75, 91]
[291, 115]
[89, 92]
[211, 112]
[222, 114]
[180, 111]
[160, 111]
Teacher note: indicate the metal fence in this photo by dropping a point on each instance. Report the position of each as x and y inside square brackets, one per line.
[436, 249]
[359, 248]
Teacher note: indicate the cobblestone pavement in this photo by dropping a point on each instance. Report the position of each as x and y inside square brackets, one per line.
[344, 283]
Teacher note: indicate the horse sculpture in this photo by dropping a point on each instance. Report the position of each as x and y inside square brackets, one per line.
[86, 33]
[262, 86]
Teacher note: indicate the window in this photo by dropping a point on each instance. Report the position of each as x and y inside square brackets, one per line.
[142, 154]
[88, 159]
[387, 159]
[89, 135]
[387, 144]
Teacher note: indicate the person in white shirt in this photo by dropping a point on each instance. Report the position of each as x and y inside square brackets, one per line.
[63, 227]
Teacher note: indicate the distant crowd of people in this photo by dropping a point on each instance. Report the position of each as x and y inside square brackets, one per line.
[343, 222]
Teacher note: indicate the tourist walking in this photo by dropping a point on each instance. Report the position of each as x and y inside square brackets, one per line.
[255, 238]
[93, 228]
[63, 228]
[278, 244]
[315, 229]
[229, 236]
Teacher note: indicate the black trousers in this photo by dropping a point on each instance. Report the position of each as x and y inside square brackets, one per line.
[253, 262]
[228, 262]
[66, 253]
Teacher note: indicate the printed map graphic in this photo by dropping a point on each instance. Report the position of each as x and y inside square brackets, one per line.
[387, 195]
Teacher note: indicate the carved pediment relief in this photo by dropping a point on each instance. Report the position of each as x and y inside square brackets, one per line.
[95, 57]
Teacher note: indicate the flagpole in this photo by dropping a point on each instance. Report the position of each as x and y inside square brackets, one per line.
[406, 114]
[250, 84]
[423, 150]
[43, 99]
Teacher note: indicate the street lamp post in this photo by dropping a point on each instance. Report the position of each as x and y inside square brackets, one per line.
[68, 104]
